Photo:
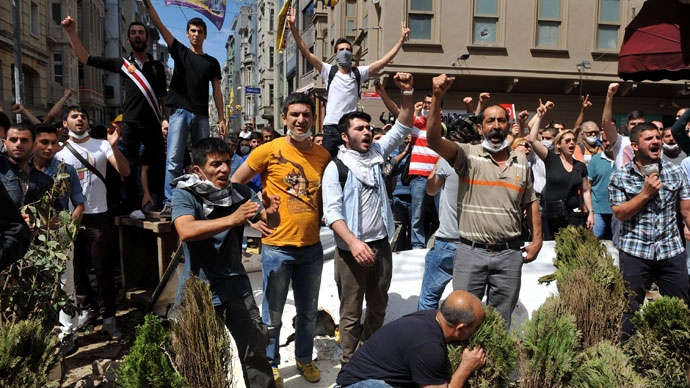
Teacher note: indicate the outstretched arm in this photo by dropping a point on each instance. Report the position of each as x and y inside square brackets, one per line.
[167, 36]
[387, 100]
[539, 148]
[609, 128]
[56, 110]
[404, 81]
[308, 55]
[19, 109]
[374, 67]
[434, 132]
[586, 104]
[71, 27]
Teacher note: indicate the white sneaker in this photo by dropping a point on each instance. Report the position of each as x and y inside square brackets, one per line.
[110, 326]
[137, 215]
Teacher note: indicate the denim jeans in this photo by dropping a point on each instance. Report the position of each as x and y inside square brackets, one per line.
[401, 214]
[438, 271]
[302, 266]
[602, 226]
[371, 383]
[182, 124]
[418, 190]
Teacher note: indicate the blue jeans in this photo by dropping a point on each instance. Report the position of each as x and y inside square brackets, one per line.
[182, 124]
[303, 266]
[602, 226]
[371, 383]
[418, 190]
[438, 271]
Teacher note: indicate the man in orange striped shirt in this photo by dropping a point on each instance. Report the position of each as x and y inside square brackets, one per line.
[495, 184]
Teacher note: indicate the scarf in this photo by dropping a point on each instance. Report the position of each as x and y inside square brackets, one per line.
[210, 195]
[361, 165]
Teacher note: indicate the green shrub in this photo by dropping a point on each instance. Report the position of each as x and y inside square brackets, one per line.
[550, 347]
[660, 347]
[27, 352]
[199, 339]
[500, 349]
[605, 365]
[147, 365]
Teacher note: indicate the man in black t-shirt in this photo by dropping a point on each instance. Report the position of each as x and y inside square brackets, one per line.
[145, 89]
[188, 95]
[411, 351]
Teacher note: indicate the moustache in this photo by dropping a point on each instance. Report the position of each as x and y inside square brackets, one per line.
[496, 133]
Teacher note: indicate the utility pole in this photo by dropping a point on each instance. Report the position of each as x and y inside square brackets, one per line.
[18, 76]
[276, 71]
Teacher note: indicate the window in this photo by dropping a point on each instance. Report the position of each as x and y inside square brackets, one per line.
[271, 20]
[270, 93]
[549, 17]
[56, 12]
[486, 21]
[307, 66]
[421, 19]
[609, 24]
[270, 57]
[35, 25]
[58, 74]
[351, 20]
[307, 15]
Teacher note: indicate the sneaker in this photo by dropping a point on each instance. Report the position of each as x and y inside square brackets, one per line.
[309, 371]
[137, 215]
[277, 378]
[67, 346]
[110, 327]
[166, 212]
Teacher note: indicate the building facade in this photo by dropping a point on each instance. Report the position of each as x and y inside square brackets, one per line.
[518, 50]
[266, 11]
[230, 81]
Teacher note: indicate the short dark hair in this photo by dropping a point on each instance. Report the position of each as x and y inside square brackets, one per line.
[197, 22]
[22, 127]
[318, 135]
[553, 130]
[637, 130]
[339, 41]
[74, 108]
[45, 128]
[256, 136]
[553, 123]
[377, 131]
[4, 121]
[457, 316]
[636, 114]
[480, 118]
[137, 23]
[209, 145]
[344, 122]
[298, 98]
[241, 139]
[432, 96]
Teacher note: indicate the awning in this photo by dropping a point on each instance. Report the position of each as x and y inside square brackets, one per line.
[656, 45]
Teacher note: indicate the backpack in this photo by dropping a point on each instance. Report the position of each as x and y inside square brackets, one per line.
[334, 70]
[342, 171]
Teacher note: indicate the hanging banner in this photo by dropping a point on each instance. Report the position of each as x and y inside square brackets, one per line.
[282, 18]
[214, 10]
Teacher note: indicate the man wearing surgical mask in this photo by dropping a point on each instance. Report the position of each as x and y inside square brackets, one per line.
[671, 151]
[343, 85]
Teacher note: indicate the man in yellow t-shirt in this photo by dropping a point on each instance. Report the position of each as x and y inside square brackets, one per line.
[291, 167]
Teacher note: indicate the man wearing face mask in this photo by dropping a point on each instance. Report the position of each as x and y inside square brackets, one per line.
[645, 195]
[590, 142]
[494, 184]
[209, 214]
[671, 150]
[343, 82]
[360, 215]
[291, 167]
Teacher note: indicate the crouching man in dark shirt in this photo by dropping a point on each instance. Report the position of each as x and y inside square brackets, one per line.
[209, 214]
[411, 351]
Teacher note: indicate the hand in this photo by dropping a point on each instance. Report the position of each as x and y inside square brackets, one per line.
[515, 130]
[472, 360]
[532, 250]
[467, 100]
[585, 102]
[17, 108]
[262, 227]
[114, 136]
[68, 93]
[245, 212]
[484, 97]
[405, 32]
[613, 88]
[271, 202]
[652, 185]
[441, 84]
[291, 17]
[378, 86]
[221, 129]
[69, 24]
[590, 220]
[523, 116]
[362, 253]
[418, 108]
[686, 232]
[404, 81]
[146, 198]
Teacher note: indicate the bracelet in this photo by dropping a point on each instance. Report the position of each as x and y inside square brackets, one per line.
[408, 92]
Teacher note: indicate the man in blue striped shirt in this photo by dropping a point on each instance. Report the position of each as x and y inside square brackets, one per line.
[644, 194]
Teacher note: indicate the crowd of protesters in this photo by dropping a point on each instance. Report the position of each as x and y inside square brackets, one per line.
[480, 191]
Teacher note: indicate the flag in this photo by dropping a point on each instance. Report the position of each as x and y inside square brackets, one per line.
[214, 10]
[232, 96]
[282, 17]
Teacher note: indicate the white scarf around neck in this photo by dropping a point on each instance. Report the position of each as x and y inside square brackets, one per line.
[361, 165]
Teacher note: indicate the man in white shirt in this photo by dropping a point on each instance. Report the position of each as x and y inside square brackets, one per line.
[343, 91]
[91, 166]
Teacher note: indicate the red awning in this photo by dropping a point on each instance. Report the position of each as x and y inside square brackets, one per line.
[656, 45]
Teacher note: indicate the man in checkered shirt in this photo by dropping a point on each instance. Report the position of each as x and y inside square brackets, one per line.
[644, 195]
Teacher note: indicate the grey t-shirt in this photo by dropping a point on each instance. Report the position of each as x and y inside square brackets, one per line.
[448, 204]
[371, 223]
[674, 160]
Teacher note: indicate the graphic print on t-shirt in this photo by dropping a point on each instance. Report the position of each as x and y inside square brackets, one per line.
[83, 172]
[302, 191]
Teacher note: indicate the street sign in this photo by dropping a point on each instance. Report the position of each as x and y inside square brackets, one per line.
[233, 116]
[249, 90]
[366, 95]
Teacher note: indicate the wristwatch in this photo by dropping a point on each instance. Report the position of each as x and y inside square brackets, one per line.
[408, 92]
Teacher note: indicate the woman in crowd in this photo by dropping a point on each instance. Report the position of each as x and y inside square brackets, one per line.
[567, 197]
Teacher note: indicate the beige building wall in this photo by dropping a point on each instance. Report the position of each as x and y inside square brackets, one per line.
[526, 62]
[91, 81]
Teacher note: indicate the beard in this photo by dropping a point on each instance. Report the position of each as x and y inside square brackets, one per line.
[139, 46]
